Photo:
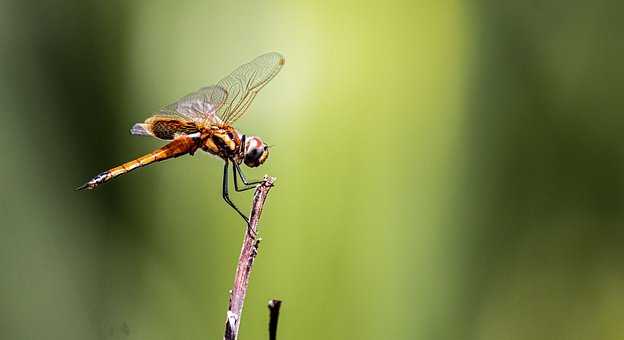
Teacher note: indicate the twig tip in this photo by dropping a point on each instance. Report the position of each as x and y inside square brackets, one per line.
[269, 180]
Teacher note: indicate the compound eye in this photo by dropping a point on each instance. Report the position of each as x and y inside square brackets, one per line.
[256, 152]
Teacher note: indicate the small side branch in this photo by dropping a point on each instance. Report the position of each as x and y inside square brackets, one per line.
[274, 309]
[247, 256]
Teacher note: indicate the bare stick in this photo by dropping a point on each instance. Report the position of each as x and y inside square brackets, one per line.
[248, 253]
[274, 309]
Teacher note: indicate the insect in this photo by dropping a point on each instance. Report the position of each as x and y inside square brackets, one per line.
[203, 120]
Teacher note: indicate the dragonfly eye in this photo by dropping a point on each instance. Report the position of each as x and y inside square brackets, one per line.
[256, 151]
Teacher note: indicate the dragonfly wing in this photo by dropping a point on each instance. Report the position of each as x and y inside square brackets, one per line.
[243, 84]
[199, 106]
[141, 129]
[164, 127]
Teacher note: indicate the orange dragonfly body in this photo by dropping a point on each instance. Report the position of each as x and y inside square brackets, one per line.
[202, 120]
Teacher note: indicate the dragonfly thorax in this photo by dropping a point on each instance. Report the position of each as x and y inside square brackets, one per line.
[223, 141]
[227, 143]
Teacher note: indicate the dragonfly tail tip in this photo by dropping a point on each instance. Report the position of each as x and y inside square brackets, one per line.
[82, 187]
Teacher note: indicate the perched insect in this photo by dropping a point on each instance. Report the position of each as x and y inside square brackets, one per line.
[203, 120]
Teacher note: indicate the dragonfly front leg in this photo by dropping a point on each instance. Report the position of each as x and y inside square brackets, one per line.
[237, 172]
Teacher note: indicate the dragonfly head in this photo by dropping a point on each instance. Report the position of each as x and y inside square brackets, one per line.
[256, 152]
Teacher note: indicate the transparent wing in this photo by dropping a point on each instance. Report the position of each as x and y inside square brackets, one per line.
[243, 84]
[198, 106]
[141, 129]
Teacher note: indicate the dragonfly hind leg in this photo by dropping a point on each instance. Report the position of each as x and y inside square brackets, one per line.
[226, 197]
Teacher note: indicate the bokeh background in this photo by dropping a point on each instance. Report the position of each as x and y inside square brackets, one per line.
[446, 170]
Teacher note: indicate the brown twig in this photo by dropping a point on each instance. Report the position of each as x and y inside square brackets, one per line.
[248, 253]
[274, 309]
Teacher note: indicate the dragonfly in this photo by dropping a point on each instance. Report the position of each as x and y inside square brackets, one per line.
[203, 120]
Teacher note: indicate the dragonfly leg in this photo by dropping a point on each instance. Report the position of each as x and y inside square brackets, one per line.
[235, 173]
[238, 172]
[226, 197]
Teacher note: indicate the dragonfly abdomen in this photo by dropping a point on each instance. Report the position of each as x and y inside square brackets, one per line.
[178, 147]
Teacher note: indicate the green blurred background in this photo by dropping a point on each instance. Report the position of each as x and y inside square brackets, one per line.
[446, 170]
